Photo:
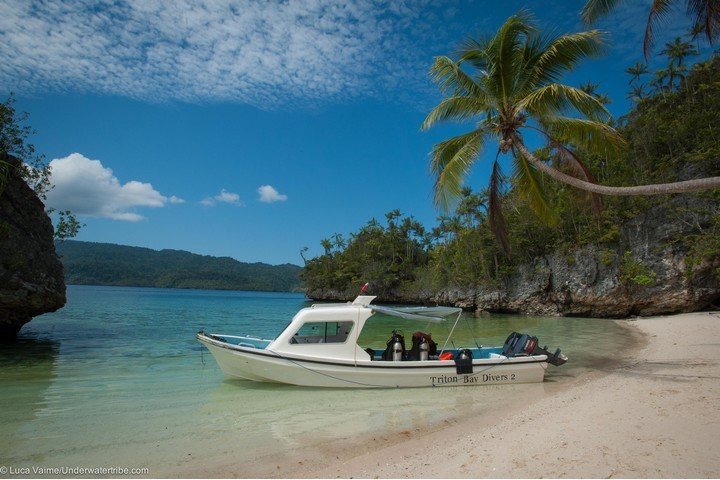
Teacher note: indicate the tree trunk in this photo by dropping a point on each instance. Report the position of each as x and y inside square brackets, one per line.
[655, 189]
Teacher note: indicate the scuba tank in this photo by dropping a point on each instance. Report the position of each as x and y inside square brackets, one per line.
[424, 349]
[397, 349]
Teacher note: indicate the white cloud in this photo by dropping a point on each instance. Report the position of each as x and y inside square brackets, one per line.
[88, 188]
[175, 200]
[228, 197]
[268, 194]
[224, 197]
[263, 53]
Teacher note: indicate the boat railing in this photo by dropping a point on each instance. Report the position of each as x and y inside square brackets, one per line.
[250, 341]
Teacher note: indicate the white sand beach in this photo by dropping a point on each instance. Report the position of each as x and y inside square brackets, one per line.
[655, 415]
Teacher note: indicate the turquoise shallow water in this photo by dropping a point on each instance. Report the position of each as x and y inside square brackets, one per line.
[116, 378]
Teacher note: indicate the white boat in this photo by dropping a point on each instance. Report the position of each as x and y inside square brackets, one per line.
[319, 348]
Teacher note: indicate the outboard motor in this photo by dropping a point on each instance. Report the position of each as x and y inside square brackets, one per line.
[522, 344]
[556, 358]
[519, 345]
[463, 361]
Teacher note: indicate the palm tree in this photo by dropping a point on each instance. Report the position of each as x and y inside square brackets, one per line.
[512, 88]
[702, 12]
[658, 81]
[636, 70]
[671, 72]
[677, 50]
[591, 89]
[637, 93]
[327, 245]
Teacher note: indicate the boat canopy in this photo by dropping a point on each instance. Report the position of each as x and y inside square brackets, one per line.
[426, 314]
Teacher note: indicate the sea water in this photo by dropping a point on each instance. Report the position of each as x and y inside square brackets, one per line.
[117, 379]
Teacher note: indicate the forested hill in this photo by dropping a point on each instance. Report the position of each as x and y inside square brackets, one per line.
[89, 263]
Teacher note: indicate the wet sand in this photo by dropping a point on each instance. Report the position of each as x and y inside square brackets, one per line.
[655, 414]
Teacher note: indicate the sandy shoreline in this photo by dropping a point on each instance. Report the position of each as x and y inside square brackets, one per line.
[655, 415]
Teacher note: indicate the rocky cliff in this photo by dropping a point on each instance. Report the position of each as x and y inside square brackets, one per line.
[647, 271]
[31, 276]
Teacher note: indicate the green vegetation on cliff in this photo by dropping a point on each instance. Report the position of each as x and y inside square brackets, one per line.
[672, 135]
[88, 263]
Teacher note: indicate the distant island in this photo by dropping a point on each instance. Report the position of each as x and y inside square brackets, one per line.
[90, 263]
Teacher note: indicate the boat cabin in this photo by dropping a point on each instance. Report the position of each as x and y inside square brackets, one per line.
[331, 331]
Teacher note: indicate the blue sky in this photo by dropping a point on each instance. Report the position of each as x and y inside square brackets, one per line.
[165, 121]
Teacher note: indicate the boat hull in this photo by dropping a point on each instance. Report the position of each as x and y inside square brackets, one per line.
[266, 366]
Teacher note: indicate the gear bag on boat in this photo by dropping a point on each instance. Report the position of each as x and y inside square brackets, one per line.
[463, 361]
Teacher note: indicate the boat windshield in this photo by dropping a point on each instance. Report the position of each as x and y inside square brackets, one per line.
[323, 332]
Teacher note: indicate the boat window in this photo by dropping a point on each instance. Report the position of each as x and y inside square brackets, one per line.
[323, 332]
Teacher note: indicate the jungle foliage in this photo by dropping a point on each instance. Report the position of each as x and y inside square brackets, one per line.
[672, 134]
[33, 167]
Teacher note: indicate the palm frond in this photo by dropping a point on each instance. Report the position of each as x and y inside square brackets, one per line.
[594, 9]
[564, 52]
[555, 98]
[474, 51]
[498, 225]
[595, 137]
[530, 185]
[455, 108]
[452, 80]
[535, 48]
[658, 10]
[450, 163]
[505, 50]
[705, 13]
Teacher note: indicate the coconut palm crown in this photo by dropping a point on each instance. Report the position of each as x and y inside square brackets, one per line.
[636, 70]
[678, 50]
[509, 84]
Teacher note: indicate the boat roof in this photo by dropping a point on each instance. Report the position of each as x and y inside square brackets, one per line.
[431, 314]
[425, 314]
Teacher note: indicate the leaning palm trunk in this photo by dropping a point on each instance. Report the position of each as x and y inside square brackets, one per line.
[509, 83]
[654, 189]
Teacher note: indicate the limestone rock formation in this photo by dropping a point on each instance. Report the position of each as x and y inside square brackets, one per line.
[31, 275]
[593, 281]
